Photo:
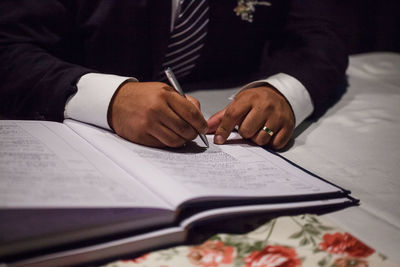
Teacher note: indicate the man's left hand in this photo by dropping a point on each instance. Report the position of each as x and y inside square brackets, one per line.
[251, 110]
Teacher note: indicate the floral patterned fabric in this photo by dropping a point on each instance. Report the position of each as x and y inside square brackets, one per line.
[305, 240]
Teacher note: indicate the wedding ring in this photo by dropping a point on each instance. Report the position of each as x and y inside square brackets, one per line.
[268, 130]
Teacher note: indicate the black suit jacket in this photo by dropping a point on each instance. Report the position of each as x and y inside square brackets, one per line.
[47, 45]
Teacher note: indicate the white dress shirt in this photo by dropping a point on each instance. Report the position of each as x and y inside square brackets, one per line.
[98, 90]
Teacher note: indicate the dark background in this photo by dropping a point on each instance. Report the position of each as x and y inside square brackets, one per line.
[372, 25]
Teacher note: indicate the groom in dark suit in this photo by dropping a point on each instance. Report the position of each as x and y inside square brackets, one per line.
[77, 59]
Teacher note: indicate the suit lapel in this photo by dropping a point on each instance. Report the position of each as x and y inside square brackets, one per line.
[160, 22]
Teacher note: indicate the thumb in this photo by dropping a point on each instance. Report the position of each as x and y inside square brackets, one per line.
[214, 121]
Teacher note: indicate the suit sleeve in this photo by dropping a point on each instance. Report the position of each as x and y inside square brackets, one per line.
[310, 49]
[36, 75]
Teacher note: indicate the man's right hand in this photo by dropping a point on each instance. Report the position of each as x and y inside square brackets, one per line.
[154, 114]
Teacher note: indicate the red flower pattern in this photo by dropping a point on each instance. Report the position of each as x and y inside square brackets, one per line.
[273, 256]
[211, 253]
[346, 262]
[339, 243]
[138, 259]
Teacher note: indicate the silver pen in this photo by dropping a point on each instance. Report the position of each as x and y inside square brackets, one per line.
[174, 82]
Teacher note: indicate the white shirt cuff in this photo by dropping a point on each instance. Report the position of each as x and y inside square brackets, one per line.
[294, 92]
[91, 101]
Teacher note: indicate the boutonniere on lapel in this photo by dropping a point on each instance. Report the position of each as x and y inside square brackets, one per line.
[246, 8]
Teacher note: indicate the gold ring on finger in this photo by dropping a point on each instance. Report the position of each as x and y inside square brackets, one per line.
[268, 130]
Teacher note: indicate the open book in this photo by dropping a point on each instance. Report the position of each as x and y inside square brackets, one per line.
[63, 184]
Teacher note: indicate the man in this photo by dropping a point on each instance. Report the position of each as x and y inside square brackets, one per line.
[76, 59]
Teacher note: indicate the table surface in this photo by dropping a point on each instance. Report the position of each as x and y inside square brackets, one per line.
[354, 145]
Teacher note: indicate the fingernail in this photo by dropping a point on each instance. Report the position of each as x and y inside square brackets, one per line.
[205, 130]
[219, 140]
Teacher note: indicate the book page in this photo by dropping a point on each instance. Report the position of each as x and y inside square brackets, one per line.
[233, 170]
[46, 165]
[261, 208]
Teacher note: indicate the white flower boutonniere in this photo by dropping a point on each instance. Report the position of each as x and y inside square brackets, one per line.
[246, 8]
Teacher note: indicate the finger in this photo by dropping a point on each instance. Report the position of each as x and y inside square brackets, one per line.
[252, 123]
[233, 114]
[188, 112]
[262, 137]
[166, 136]
[281, 139]
[142, 138]
[171, 120]
[194, 101]
[149, 140]
[214, 121]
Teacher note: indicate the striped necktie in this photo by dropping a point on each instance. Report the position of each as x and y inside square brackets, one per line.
[187, 38]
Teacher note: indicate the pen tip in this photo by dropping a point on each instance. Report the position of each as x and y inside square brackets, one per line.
[206, 142]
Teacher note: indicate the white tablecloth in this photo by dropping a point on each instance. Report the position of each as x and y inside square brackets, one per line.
[355, 145]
